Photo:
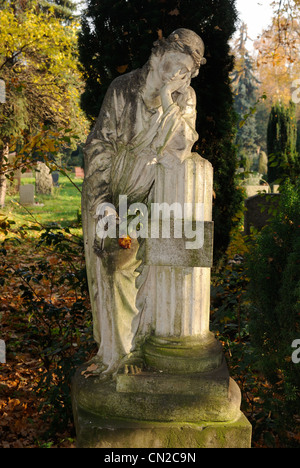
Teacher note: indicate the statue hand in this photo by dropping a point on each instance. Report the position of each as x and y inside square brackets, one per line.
[179, 83]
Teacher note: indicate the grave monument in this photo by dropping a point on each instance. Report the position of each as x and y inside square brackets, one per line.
[159, 379]
[43, 179]
[26, 194]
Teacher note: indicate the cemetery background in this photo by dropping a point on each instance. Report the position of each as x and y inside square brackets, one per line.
[45, 315]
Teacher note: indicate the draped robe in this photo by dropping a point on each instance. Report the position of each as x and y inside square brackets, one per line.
[129, 138]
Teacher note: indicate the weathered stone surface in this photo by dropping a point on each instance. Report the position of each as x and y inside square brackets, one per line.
[27, 194]
[95, 433]
[219, 399]
[155, 382]
[252, 190]
[43, 179]
[2, 352]
[155, 410]
[173, 252]
[183, 355]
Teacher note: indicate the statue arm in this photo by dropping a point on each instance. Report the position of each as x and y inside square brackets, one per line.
[177, 133]
[99, 151]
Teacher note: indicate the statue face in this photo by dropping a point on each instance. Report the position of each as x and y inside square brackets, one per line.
[173, 62]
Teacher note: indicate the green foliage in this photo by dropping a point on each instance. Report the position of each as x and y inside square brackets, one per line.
[274, 288]
[38, 64]
[284, 160]
[63, 9]
[117, 37]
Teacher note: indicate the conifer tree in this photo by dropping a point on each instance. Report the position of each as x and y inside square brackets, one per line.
[244, 84]
[117, 37]
[282, 141]
[63, 9]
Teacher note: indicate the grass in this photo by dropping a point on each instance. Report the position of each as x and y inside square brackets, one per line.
[63, 207]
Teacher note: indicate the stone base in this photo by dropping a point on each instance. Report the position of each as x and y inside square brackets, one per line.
[187, 355]
[159, 410]
[93, 432]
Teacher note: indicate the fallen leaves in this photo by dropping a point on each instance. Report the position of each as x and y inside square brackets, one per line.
[23, 412]
[20, 423]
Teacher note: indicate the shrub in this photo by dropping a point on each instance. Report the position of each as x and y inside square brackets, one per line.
[274, 272]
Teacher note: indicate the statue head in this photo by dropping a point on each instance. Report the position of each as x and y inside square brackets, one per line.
[184, 41]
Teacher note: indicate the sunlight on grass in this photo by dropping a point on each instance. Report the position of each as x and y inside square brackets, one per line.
[63, 207]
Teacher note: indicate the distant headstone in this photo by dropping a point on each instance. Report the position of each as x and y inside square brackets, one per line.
[2, 92]
[27, 194]
[43, 179]
[259, 210]
[263, 163]
[55, 178]
[2, 352]
[252, 190]
[79, 173]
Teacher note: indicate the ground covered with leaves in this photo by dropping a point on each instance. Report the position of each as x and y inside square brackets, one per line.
[46, 323]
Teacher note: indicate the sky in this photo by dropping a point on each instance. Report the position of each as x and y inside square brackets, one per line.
[256, 14]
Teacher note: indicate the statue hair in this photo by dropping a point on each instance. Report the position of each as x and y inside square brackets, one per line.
[185, 41]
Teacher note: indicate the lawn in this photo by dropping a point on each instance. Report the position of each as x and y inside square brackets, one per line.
[62, 207]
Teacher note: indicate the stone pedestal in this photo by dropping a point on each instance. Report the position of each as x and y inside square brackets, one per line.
[184, 396]
[95, 433]
[157, 410]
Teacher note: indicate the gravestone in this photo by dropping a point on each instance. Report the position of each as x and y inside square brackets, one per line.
[252, 190]
[2, 352]
[159, 379]
[26, 194]
[43, 179]
[55, 179]
[259, 210]
[2, 92]
[79, 173]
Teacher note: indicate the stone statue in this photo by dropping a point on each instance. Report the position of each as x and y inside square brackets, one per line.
[159, 379]
[147, 119]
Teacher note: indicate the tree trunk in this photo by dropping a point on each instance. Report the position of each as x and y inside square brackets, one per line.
[3, 181]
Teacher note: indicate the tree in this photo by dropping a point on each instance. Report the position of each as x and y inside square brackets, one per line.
[282, 139]
[62, 9]
[278, 60]
[39, 67]
[245, 85]
[117, 37]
